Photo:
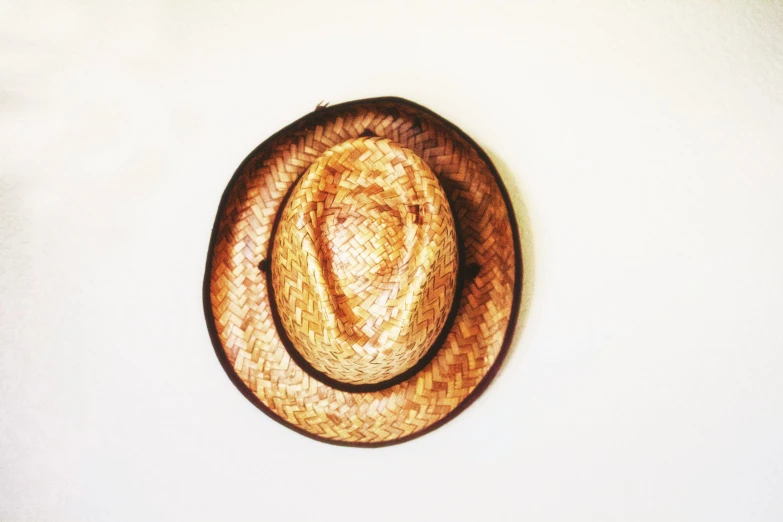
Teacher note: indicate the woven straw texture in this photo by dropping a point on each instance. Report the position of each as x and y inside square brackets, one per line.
[241, 316]
[365, 262]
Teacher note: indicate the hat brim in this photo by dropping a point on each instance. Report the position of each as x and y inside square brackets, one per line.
[236, 297]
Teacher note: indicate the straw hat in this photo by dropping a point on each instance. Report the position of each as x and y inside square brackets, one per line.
[364, 273]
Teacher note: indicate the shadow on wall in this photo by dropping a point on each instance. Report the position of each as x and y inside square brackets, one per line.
[528, 254]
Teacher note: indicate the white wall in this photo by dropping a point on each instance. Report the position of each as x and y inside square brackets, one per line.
[645, 138]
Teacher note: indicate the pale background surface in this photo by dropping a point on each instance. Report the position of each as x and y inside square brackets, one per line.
[646, 139]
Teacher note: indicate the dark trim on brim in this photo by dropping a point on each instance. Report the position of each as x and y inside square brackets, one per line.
[515, 305]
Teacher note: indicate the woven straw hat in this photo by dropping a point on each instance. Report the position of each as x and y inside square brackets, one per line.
[364, 273]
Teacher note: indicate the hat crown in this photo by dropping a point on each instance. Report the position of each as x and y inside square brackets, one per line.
[364, 262]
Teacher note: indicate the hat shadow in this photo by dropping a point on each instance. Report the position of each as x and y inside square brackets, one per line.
[525, 231]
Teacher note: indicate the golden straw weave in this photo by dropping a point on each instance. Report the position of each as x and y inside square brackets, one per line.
[364, 273]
